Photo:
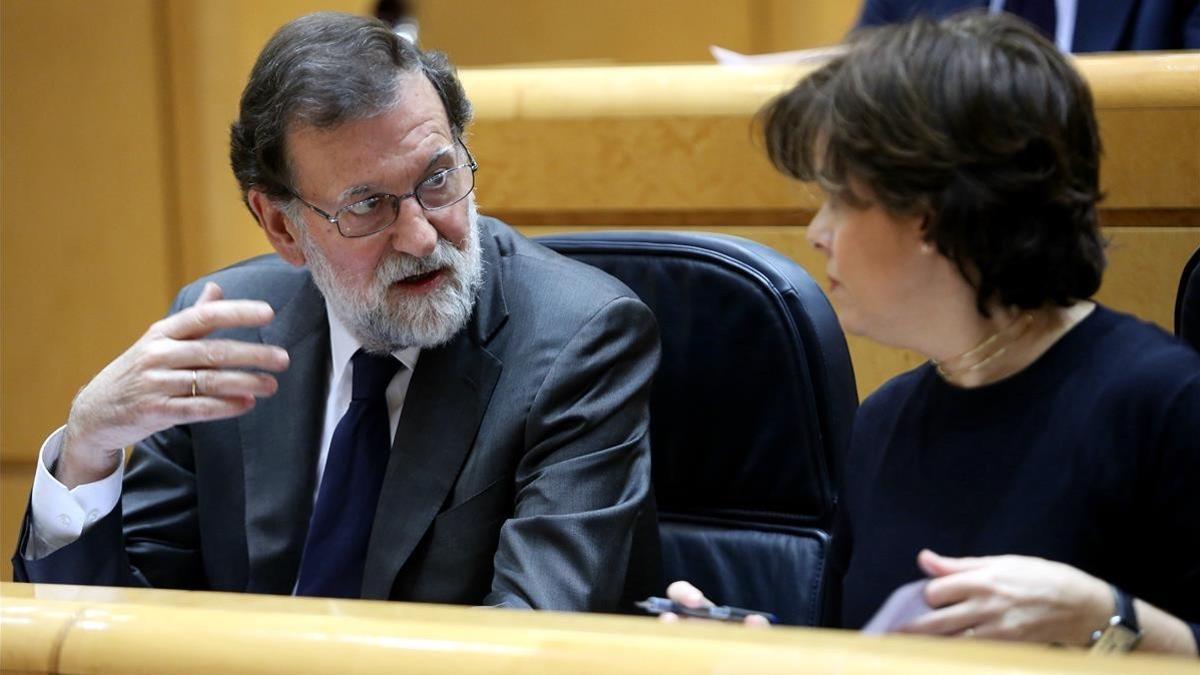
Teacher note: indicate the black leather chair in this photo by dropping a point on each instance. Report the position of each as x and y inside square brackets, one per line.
[1187, 302]
[750, 413]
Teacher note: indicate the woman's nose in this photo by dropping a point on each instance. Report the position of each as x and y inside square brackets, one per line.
[819, 230]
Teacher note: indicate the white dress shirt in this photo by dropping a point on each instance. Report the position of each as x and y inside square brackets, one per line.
[60, 516]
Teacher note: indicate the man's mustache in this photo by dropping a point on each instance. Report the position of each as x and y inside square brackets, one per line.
[404, 265]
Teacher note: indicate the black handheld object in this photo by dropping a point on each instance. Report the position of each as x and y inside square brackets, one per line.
[715, 612]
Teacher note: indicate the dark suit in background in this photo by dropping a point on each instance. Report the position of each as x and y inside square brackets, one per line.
[1100, 25]
[519, 474]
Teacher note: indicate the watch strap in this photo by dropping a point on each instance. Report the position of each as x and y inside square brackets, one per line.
[1124, 606]
[1122, 633]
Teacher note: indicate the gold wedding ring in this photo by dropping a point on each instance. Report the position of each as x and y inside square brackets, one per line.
[195, 378]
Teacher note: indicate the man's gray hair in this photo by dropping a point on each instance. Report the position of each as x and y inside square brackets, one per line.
[324, 70]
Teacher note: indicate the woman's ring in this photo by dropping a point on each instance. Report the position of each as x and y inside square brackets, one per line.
[195, 378]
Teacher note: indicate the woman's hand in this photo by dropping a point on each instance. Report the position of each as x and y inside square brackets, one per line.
[690, 596]
[1011, 597]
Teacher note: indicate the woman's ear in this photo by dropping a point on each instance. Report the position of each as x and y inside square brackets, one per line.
[928, 245]
[280, 230]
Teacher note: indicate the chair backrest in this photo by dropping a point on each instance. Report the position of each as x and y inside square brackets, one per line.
[750, 413]
[1187, 302]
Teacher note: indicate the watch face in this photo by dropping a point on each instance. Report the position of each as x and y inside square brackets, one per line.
[1116, 638]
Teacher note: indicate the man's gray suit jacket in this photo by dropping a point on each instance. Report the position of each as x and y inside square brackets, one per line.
[519, 474]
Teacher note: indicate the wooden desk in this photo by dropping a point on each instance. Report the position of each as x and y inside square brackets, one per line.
[74, 629]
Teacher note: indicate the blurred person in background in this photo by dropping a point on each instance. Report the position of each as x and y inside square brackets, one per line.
[1074, 25]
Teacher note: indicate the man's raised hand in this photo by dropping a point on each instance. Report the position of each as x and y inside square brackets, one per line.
[169, 376]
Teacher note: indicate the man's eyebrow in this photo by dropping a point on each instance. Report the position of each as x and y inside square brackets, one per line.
[355, 191]
[359, 190]
[438, 155]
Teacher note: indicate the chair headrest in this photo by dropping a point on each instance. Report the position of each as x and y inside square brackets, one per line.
[1187, 302]
[752, 404]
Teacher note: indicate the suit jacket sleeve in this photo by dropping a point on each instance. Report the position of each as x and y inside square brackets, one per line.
[150, 538]
[584, 480]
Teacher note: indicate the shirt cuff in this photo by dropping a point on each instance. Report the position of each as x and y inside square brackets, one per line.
[60, 516]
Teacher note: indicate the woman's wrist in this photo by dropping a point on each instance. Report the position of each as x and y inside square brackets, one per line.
[1162, 632]
[1095, 609]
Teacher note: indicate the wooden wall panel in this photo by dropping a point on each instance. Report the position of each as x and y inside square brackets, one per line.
[489, 33]
[86, 244]
[1151, 158]
[615, 31]
[682, 138]
[788, 24]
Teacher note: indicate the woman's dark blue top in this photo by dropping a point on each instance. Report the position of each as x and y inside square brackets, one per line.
[1090, 456]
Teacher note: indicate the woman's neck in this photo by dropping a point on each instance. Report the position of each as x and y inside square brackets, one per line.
[983, 350]
[972, 351]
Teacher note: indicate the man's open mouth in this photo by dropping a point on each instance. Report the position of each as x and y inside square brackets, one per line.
[420, 280]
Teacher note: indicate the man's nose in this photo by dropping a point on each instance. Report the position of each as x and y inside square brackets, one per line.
[819, 230]
[413, 233]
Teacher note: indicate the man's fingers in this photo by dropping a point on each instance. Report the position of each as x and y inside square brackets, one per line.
[216, 354]
[211, 292]
[189, 409]
[204, 318]
[226, 383]
[687, 595]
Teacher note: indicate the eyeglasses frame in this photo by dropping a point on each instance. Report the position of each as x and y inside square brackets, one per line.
[335, 218]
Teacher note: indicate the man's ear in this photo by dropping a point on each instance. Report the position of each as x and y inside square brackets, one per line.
[280, 230]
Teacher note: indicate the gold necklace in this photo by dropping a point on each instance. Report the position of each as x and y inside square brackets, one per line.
[1020, 325]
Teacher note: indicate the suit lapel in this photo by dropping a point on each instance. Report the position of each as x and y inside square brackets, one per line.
[1099, 24]
[445, 403]
[280, 442]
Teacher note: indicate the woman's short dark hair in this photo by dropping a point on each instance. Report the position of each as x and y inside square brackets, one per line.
[976, 122]
[323, 70]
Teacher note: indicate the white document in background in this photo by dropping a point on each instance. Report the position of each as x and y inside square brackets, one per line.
[727, 57]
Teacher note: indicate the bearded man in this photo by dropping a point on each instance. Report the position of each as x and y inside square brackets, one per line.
[406, 401]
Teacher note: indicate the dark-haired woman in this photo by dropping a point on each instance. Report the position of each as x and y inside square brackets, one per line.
[1049, 451]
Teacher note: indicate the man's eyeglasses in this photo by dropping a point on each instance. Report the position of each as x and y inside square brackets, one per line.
[443, 188]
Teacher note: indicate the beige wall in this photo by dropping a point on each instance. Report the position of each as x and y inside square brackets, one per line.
[87, 251]
[488, 32]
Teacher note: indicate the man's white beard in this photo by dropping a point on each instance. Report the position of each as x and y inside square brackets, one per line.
[426, 320]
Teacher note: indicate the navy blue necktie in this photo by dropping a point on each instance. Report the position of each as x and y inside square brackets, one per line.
[336, 548]
[1043, 14]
